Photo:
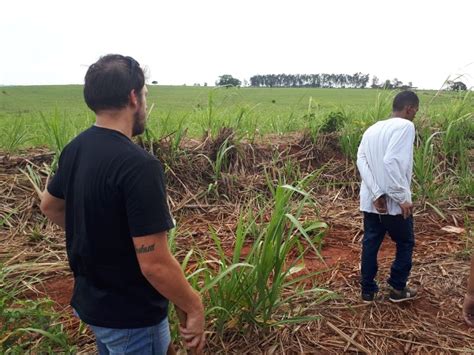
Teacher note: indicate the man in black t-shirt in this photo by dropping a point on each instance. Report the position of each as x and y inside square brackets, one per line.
[110, 197]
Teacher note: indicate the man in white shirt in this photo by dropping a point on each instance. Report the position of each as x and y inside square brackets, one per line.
[385, 163]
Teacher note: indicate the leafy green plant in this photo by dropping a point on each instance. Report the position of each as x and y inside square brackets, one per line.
[333, 122]
[220, 164]
[350, 139]
[455, 138]
[28, 325]
[255, 284]
[381, 108]
[425, 168]
[58, 132]
[14, 135]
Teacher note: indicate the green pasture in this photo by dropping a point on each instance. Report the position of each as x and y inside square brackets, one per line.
[26, 111]
[52, 115]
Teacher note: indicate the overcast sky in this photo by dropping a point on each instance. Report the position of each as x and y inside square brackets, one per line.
[181, 41]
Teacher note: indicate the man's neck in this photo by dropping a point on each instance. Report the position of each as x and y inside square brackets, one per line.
[399, 114]
[116, 120]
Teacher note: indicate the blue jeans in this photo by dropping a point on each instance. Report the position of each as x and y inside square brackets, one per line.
[147, 341]
[401, 232]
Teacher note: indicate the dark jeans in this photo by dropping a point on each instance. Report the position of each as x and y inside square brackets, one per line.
[401, 232]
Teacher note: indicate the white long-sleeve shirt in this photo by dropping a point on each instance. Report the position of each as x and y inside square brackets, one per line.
[385, 163]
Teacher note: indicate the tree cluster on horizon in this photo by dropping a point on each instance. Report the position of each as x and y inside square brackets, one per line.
[390, 85]
[357, 80]
[456, 86]
[228, 80]
[354, 81]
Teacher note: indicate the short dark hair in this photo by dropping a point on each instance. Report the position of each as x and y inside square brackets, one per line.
[110, 80]
[405, 98]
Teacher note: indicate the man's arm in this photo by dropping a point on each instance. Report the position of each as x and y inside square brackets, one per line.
[468, 308]
[366, 174]
[164, 273]
[396, 161]
[54, 208]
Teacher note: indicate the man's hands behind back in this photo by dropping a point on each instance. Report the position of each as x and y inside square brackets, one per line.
[380, 205]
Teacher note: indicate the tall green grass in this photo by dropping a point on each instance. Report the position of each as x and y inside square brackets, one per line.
[28, 325]
[426, 168]
[442, 157]
[200, 111]
[58, 130]
[15, 135]
[257, 283]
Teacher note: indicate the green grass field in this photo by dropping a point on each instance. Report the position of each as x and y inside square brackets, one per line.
[52, 115]
[200, 109]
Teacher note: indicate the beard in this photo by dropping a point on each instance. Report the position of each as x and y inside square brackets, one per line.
[139, 121]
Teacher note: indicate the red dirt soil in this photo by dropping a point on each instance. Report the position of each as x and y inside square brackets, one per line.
[335, 253]
[59, 290]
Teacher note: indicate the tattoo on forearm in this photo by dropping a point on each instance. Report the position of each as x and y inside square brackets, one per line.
[145, 249]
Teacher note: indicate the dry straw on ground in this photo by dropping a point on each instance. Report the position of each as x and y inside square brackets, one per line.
[430, 324]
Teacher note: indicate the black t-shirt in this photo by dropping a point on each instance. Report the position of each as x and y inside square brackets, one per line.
[113, 190]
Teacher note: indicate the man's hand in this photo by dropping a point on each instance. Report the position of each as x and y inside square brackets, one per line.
[407, 209]
[193, 332]
[468, 310]
[380, 204]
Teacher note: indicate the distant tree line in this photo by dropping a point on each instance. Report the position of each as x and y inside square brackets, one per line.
[357, 80]
[390, 84]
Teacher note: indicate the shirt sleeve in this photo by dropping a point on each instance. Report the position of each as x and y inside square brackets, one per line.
[145, 200]
[56, 185]
[365, 172]
[397, 160]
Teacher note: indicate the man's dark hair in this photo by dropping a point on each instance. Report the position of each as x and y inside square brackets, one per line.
[405, 98]
[110, 80]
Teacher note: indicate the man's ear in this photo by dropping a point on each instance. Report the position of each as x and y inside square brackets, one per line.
[133, 98]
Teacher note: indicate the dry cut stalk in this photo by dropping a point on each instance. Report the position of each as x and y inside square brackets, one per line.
[348, 338]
